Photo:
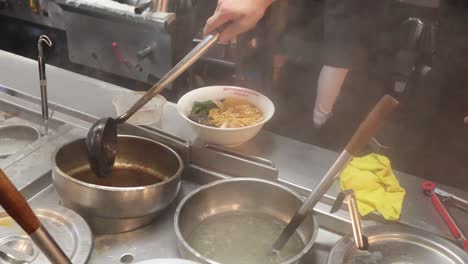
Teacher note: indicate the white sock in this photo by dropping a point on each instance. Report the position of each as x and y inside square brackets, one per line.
[328, 88]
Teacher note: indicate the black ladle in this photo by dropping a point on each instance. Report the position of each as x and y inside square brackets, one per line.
[101, 141]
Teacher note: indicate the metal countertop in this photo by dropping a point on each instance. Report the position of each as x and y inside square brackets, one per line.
[299, 164]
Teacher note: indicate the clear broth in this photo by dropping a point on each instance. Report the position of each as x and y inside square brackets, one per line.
[242, 238]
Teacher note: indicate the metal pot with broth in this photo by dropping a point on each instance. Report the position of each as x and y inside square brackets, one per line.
[237, 220]
[146, 173]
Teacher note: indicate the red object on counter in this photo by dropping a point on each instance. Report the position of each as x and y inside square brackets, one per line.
[428, 188]
[118, 54]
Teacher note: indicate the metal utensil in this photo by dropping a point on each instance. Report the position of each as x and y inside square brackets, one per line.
[43, 80]
[361, 137]
[145, 180]
[361, 240]
[451, 199]
[430, 189]
[17, 207]
[102, 137]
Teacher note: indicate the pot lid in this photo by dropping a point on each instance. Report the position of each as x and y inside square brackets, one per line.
[69, 230]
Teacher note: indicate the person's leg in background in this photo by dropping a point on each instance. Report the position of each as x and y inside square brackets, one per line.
[349, 26]
[329, 85]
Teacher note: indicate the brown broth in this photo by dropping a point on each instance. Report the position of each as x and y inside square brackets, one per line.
[120, 177]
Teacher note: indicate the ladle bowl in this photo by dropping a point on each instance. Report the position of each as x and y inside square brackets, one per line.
[101, 143]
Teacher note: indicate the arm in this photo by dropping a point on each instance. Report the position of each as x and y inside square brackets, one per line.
[242, 15]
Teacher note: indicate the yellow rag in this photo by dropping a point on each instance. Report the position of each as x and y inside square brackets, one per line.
[376, 187]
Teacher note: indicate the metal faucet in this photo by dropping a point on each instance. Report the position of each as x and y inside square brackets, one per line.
[42, 79]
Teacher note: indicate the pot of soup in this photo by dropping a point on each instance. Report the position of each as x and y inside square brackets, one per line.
[237, 220]
[145, 179]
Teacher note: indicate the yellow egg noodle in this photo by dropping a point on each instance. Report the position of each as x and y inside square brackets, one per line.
[234, 113]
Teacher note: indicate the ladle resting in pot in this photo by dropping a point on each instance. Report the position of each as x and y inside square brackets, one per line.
[101, 141]
[367, 129]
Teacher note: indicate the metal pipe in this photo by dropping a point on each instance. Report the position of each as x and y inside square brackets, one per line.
[356, 221]
[42, 79]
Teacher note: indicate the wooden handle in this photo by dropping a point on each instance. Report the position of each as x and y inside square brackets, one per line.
[16, 206]
[369, 127]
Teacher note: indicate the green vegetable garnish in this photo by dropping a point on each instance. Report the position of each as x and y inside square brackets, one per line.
[200, 112]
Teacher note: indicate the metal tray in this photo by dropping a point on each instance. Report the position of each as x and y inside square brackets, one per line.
[68, 228]
[398, 244]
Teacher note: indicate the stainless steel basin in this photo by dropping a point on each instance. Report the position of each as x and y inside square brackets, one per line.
[251, 195]
[15, 137]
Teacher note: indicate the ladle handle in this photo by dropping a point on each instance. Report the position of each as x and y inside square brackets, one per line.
[16, 206]
[363, 134]
[369, 127]
[175, 72]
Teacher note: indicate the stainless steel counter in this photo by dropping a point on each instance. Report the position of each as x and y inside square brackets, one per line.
[30, 172]
[300, 165]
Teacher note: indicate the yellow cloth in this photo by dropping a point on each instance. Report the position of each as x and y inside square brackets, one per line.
[376, 187]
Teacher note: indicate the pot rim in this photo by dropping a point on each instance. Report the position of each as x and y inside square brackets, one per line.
[181, 239]
[345, 244]
[119, 189]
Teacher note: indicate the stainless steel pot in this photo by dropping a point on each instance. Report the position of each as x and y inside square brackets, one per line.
[146, 178]
[245, 195]
[397, 244]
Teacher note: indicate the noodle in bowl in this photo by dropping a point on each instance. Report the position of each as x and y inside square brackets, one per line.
[225, 136]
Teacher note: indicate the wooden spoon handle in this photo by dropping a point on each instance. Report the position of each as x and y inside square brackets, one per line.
[369, 127]
[16, 206]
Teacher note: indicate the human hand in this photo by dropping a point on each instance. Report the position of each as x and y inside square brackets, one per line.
[466, 120]
[242, 15]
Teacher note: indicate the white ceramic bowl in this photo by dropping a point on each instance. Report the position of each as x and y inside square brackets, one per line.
[225, 136]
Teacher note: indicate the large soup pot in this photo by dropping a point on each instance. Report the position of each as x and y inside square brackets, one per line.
[145, 179]
[245, 195]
